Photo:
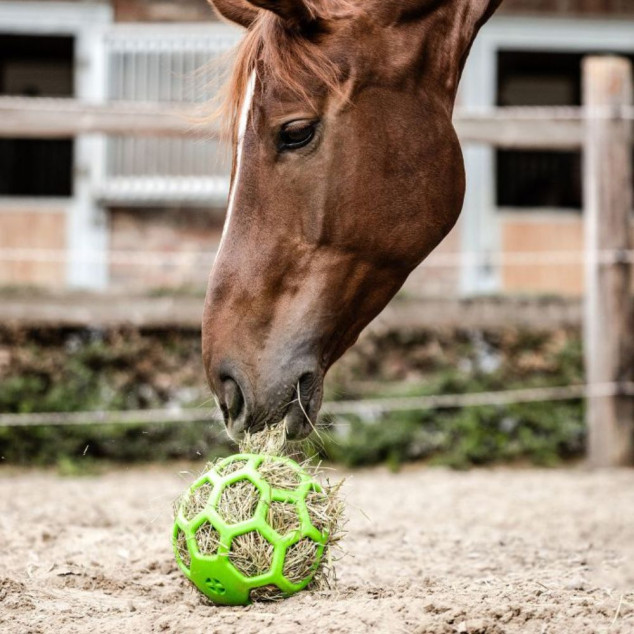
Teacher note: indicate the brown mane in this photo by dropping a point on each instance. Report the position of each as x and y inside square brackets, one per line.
[285, 55]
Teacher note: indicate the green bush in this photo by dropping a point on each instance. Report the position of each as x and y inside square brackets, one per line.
[70, 371]
[118, 443]
[543, 434]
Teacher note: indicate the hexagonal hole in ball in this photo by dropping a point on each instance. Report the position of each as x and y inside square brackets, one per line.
[283, 518]
[251, 554]
[300, 560]
[232, 467]
[182, 550]
[279, 474]
[238, 501]
[266, 593]
[195, 501]
[207, 539]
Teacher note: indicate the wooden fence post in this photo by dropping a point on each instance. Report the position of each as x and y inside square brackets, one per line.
[608, 332]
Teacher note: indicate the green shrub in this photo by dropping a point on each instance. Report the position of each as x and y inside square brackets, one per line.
[120, 443]
[69, 371]
[543, 434]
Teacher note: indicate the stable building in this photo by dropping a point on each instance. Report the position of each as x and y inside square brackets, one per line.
[130, 214]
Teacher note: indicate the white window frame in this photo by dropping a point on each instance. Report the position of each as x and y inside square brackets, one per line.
[143, 191]
[481, 226]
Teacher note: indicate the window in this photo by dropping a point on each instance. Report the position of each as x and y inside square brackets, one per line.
[166, 64]
[534, 179]
[33, 66]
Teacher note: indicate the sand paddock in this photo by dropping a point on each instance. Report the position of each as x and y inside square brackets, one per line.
[479, 552]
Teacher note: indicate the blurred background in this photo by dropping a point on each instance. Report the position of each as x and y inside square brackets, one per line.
[106, 242]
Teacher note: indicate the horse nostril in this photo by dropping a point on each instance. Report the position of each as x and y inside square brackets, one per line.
[234, 400]
[300, 416]
[304, 387]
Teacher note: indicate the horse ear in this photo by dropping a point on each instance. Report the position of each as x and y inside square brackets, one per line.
[482, 11]
[295, 12]
[486, 10]
[238, 11]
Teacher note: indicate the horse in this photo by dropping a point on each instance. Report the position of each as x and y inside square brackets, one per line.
[347, 172]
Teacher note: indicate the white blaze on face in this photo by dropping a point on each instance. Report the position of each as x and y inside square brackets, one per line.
[242, 129]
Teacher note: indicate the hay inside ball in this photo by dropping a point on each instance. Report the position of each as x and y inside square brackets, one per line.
[257, 527]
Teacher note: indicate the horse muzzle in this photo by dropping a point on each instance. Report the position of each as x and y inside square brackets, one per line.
[292, 398]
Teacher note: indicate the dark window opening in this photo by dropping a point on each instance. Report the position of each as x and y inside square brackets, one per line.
[534, 179]
[35, 66]
[539, 179]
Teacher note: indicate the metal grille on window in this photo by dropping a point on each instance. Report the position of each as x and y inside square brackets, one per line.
[146, 64]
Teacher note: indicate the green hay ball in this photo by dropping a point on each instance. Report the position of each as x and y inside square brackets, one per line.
[251, 527]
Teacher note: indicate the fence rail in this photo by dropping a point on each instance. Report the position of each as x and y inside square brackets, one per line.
[435, 261]
[602, 128]
[368, 408]
[527, 128]
[64, 118]
[509, 127]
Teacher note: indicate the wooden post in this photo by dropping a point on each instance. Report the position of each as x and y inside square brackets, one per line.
[608, 332]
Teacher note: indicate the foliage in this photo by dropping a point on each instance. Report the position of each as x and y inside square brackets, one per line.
[541, 433]
[89, 370]
[424, 363]
[120, 443]
[65, 371]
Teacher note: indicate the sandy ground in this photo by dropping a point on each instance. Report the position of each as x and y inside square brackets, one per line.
[480, 552]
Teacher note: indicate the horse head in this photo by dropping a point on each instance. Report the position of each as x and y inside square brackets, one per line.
[347, 173]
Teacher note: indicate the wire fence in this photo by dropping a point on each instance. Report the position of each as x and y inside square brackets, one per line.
[437, 260]
[368, 409]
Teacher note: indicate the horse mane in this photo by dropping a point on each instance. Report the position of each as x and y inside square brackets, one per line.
[285, 54]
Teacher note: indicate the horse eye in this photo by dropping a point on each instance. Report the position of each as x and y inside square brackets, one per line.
[296, 134]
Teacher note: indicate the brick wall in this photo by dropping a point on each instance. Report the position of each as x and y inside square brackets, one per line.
[36, 228]
[569, 7]
[163, 11]
[439, 276]
[199, 10]
[174, 247]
